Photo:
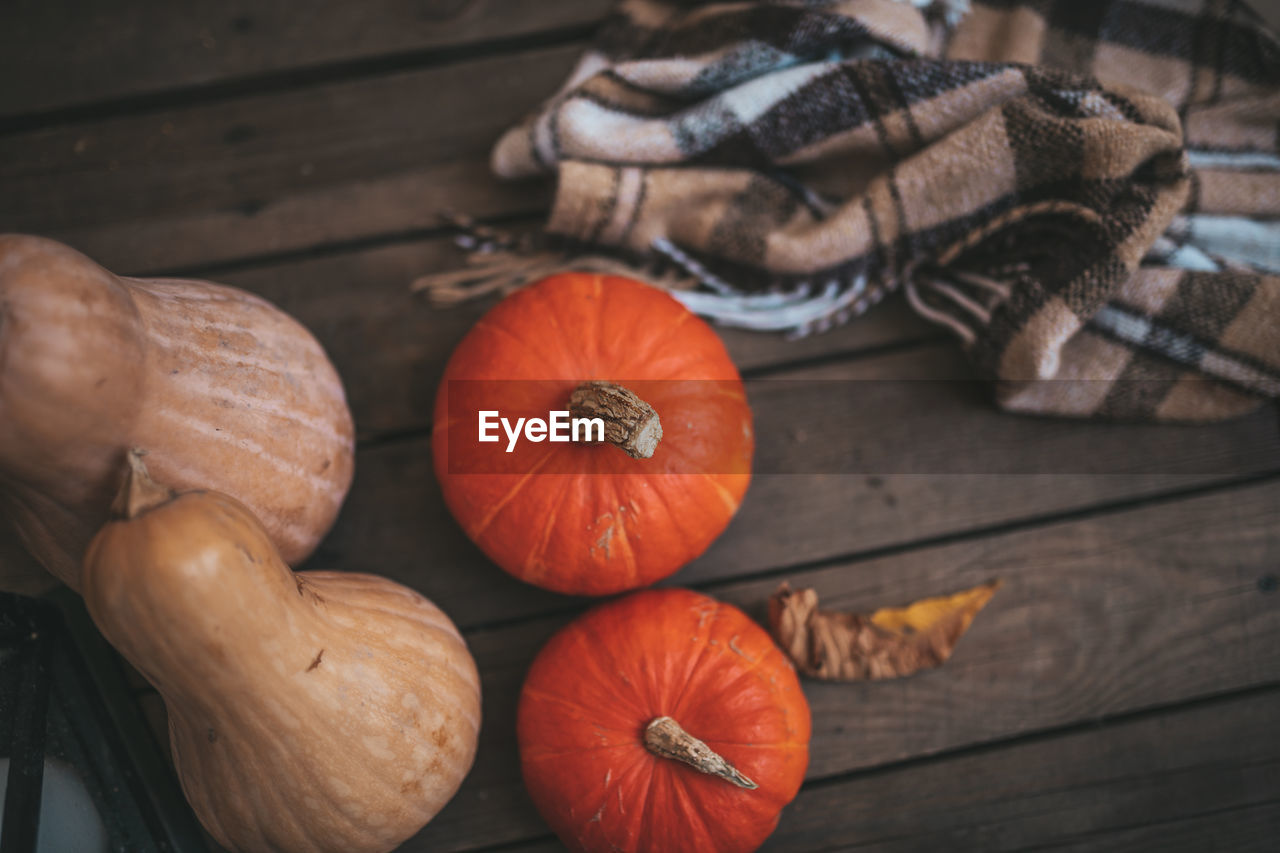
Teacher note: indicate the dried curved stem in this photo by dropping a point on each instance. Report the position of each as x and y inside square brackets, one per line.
[629, 422]
[665, 737]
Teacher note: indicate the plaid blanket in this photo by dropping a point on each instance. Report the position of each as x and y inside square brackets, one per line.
[1086, 193]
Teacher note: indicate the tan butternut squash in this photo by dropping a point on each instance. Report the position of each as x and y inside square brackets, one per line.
[225, 390]
[315, 711]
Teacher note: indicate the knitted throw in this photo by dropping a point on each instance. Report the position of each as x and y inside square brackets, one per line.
[1085, 191]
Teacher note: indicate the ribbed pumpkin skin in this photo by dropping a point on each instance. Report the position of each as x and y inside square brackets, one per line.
[310, 712]
[599, 681]
[224, 390]
[591, 520]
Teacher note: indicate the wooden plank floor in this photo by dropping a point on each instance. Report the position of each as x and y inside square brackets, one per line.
[1120, 692]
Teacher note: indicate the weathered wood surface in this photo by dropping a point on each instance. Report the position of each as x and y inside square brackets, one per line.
[1202, 778]
[1186, 780]
[283, 171]
[1097, 617]
[305, 156]
[395, 522]
[68, 53]
[391, 346]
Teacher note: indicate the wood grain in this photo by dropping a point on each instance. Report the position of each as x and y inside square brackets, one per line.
[1097, 617]
[72, 53]
[1200, 778]
[266, 173]
[395, 522]
[306, 156]
[390, 345]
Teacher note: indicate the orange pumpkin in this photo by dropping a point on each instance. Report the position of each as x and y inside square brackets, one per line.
[663, 721]
[589, 518]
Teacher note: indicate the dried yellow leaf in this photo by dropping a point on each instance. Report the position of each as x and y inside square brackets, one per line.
[889, 643]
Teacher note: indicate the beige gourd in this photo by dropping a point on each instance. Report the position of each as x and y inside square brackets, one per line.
[225, 390]
[316, 711]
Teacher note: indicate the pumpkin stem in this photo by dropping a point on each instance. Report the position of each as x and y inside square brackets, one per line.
[629, 422]
[139, 493]
[664, 737]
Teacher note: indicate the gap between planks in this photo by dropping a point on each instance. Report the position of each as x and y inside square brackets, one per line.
[848, 560]
[1089, 786]
[390, 345]
[262, 174]
[203, 52]
[369, 441]
[395, 513]
[1137, 570]
[1099, 618]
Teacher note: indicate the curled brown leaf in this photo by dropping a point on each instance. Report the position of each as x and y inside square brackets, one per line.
[889, 643]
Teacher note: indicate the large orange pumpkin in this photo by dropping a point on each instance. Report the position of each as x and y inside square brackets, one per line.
[590, 518]
[622, 705]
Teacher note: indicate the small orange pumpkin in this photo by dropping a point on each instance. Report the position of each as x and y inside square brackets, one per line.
[662, 721]
[590, 518]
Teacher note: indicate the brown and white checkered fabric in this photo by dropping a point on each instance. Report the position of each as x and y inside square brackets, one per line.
[1086, 192]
